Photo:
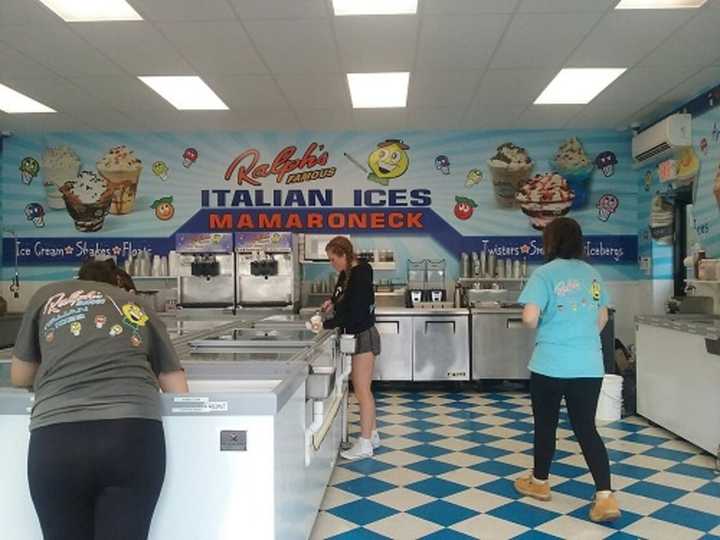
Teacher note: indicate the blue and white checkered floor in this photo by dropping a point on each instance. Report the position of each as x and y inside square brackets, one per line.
[446, 468]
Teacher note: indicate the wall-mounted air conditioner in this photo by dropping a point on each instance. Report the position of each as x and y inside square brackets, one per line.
[662, 140]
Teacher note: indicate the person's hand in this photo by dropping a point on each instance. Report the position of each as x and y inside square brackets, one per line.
[315, 324]
[327, 304]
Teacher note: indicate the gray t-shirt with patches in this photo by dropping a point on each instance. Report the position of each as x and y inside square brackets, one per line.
[99, 349]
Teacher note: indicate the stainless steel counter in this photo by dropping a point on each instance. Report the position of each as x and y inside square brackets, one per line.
[419, 311]
[700, 324]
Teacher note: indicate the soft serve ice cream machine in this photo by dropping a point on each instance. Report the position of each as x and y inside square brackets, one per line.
[267, 269]
[206, 270]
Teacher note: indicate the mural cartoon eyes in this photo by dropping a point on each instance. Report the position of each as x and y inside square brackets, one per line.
[606, 161]
[29, 168]
[442, 164]
[36, 213]
[607, 206]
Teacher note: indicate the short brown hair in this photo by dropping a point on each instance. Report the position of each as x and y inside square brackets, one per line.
[102, 271]
[563, 239]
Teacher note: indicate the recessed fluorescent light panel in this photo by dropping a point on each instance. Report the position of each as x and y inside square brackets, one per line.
[378, 90]
[13, 102]
[186, 93]
[93, 10]
[375, 7]
[578, 86]
[660, 4]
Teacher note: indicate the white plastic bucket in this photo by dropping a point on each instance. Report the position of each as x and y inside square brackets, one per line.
[609, 407]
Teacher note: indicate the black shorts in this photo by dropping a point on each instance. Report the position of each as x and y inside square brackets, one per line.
[368, 341]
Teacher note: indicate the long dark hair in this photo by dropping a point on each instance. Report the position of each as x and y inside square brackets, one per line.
[102, 271]
[340, 246]
[563, 239]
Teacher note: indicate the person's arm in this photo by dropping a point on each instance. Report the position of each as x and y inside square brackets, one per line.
[602, 318]
[173, 382]
[22, 372]
[531, 315]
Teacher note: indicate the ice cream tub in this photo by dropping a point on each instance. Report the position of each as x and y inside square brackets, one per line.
[510, 168]
[544, 198]
[87, 200]
[574, 165]
[121, 169]
[59, 165]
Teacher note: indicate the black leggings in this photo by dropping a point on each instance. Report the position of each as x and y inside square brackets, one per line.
[581, 398]
[97, 480]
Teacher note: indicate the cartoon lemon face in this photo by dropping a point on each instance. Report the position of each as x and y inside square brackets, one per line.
[75, 328]
[595, 290]
[134, 314]
[390, 159]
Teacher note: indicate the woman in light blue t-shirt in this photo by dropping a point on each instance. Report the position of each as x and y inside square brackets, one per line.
[566, 301]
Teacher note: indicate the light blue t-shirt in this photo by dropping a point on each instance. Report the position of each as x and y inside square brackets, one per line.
[570, 294]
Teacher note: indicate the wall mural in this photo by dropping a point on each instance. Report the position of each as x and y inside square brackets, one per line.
[116, 193]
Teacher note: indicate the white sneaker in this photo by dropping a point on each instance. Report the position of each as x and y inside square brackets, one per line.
[362, 449]
[375, 439]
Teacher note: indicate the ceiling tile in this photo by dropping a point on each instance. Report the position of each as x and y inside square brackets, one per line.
[380, 119]
[600, 117]
[184, 10]
[249, 92]
[58, 93]
[280, 9]
[697, 43]
[435, 117]
[564, 6]
[639, 87]
[546, 116]
[125, 93]
[530, 42]
[220, 120]
[650, 114]
[623, 38]
[58, 48]
[490, 116]
[40, 123]
[459, 42]
[373, 44]
[25, 12]
[215, 48]
[467, 7]
[115, 121]
[14, 64]
[693, 86]
[513, 86]
[301, 46]
[316, 92]
[136, 46]
[326, 119]
[442, 88]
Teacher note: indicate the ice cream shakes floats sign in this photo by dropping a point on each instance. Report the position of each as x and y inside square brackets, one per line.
[313, 209]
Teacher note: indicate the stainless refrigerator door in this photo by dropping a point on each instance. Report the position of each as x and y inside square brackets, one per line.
[501, 346]
[441, 348]
[395, 360]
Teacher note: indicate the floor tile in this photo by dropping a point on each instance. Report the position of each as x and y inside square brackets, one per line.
[560, 503]
[478, 500]
[365, 486]
[497, 468]
[461, 459]
[572, 527]
[632, 471]
[337, 497]
[359, 533]
[654, 528]
[397, 443]
[703, 460]
[447, 534]
[400, 476]
[488, 527]
[680, 481]
[328, 525]
[688, 517]
[523, 461]
[431, 467]
[436, 487]
[449, 431]
[423, 436]
[579, 490]
[362, 512]
[467, 477]
[501, 432]
[650, 462]
[566, 471]
[456, 445]
[443, 513]
[341, 474]
[396, 430]
[400, 458]
[638, 504]
[655, 491]
[401, 499]
[511, 445]
[645, 439]
[711, 488]
[704, 473]
[404, 527]
[486, 451]
[626, 519]
[523, 514]
[536, 535]
[681, 445]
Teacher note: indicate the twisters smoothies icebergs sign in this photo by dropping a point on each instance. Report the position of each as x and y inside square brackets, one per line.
[464, 190]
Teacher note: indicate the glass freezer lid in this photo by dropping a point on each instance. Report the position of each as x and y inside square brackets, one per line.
[254, 337]
[243, 356]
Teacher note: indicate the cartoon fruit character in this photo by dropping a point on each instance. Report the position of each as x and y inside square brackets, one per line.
[164, 209]
[606, 161]
[134, 315]
[595, 290]
[464, 208]
[161, 170]
[135, 340]
[607, 206]
[29, 169]
[36, 213]
[190, 156]
[388, 161]
[100, 321]
[442, 164]
[474, 177]
[75, 328]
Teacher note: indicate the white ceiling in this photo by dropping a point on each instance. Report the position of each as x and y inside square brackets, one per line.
[281, 64]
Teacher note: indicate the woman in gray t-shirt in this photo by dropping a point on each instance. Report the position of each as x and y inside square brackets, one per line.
[95, 356]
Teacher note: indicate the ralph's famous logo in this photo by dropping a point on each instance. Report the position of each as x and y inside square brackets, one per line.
[286, 167]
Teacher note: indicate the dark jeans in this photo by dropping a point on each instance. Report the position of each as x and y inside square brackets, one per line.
[581, 398]
[97, 480]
